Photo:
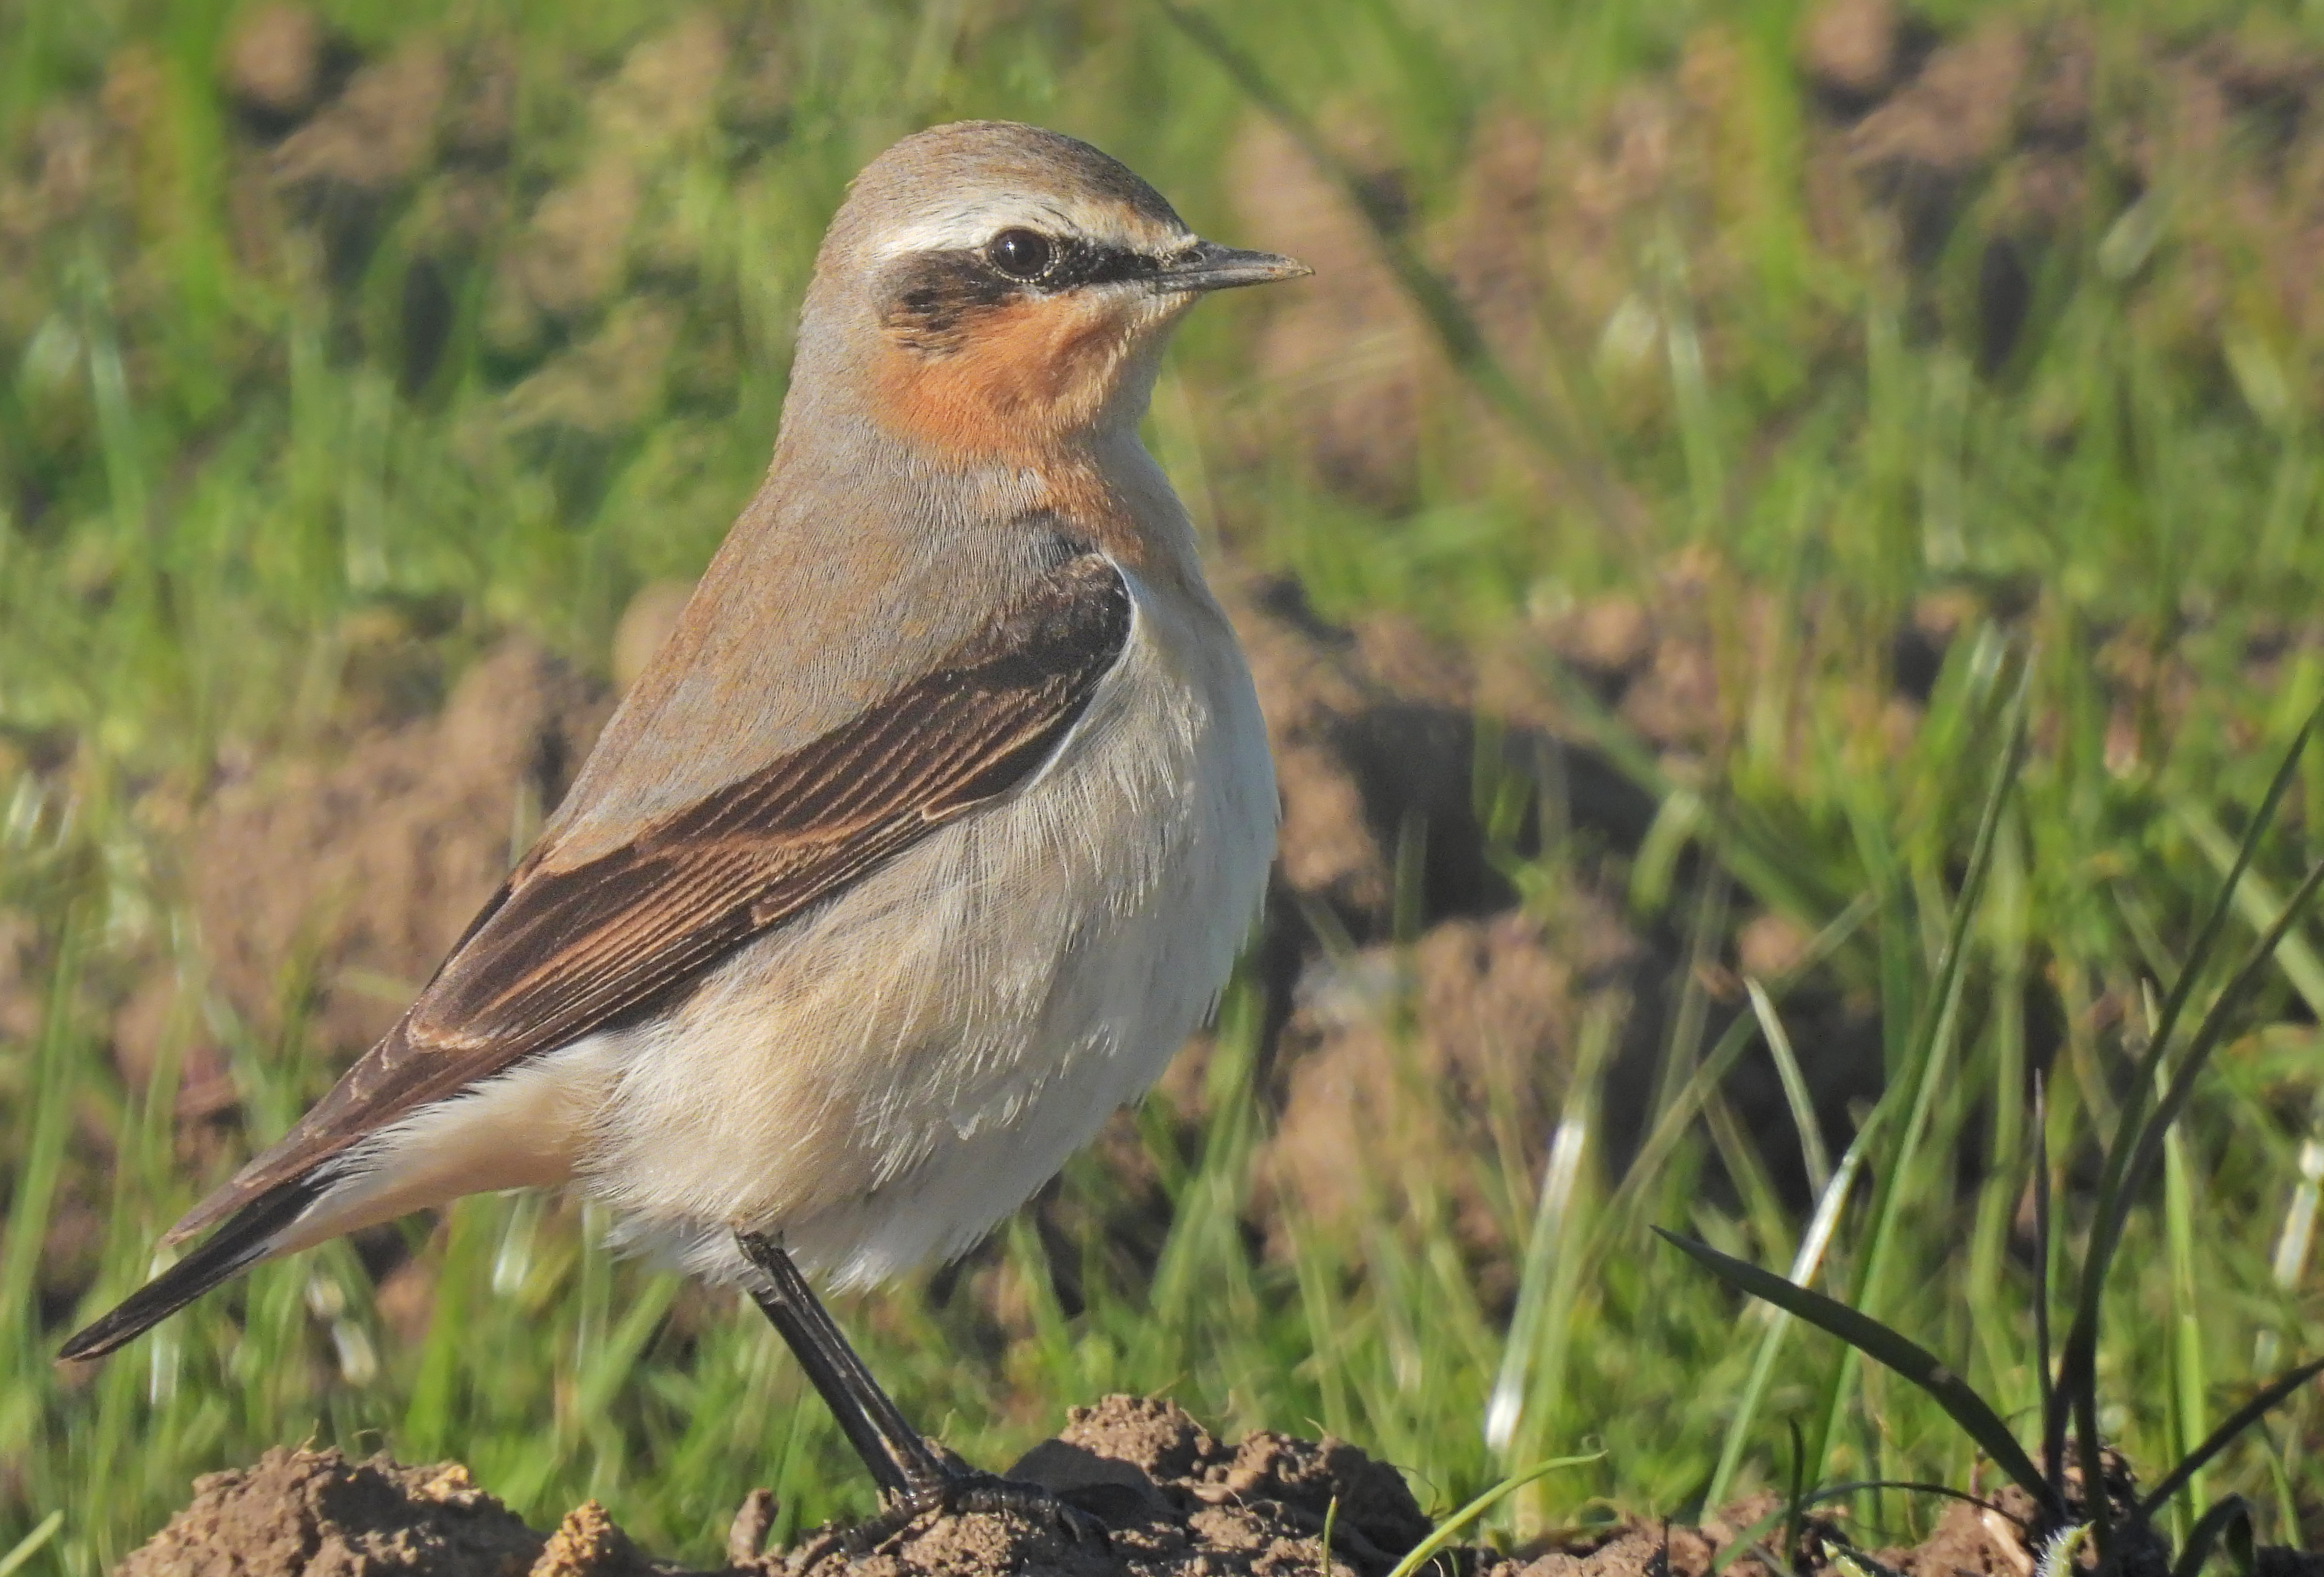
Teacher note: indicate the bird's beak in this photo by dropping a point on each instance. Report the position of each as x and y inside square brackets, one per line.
[1208, 266]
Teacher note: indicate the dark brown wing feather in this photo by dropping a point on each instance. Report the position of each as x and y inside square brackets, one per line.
[560, 953]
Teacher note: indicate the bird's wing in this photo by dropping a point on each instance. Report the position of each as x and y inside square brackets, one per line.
[558, 954]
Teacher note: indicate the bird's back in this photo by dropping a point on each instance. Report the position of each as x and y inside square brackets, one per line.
[848, 569]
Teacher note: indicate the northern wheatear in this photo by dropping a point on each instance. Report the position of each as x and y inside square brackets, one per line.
[926, 839]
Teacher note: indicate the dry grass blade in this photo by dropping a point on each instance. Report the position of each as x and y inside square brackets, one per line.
[1831, 1198]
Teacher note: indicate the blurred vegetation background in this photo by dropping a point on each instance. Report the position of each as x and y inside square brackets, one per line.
[1703, 420]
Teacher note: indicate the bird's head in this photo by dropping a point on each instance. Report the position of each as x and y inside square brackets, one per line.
[991, 288]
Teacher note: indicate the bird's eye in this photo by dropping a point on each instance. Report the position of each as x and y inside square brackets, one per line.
[1021, 254]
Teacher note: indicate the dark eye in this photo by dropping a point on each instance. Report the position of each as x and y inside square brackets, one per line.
[1021, 254]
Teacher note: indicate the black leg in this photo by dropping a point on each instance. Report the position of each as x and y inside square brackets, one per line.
[913, 1480]
[899, 1461]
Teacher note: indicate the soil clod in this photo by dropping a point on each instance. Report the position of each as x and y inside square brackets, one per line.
[753, 1520]
[315, 1514]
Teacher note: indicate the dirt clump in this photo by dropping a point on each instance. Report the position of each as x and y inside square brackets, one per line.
[378, 132]
[1958, 112]
[315, 1514]
[1969, 1541]
[1348, 349]
[1422, 1007]
[1173, 1500]
[1849, 48]
[588, 1543]
[273, 62]
[1376, 728]
[1650, 1547]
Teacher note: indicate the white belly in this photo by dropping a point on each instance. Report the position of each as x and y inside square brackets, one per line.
[882, 1079]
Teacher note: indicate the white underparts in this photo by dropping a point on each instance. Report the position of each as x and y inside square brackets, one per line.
[882, 1082]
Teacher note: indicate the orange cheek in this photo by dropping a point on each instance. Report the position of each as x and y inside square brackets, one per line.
[1024, 374]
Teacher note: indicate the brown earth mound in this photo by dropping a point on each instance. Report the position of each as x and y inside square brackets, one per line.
[316, 1512]
[1176, 1502]
[1173, 1499]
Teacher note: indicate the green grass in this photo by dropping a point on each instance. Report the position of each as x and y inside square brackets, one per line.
[210, 470]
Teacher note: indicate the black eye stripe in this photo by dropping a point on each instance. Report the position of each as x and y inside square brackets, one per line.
[927, 298]
[1082, 263]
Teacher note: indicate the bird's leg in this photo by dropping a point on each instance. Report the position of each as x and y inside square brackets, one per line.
[913, 1479]
[899, 1461]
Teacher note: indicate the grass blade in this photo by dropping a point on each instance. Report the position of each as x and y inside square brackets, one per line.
[1445, 1532]
[2184, 1349]
[1671, 1127]
[1829, 1202]
[1888, 1348]
[40, 1167]
[2235, 1423]
[2078, 1372]
[2053, 1447]
[2257, 901]
[1915, 1087]
[2206, 1040]
[1539, 1329]
[1796, 1087]
[32, 1544]
[2234, 1513]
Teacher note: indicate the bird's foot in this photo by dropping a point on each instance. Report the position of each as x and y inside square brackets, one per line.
[965, 1490]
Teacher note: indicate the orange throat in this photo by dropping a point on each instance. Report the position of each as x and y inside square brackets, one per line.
[1017, 380]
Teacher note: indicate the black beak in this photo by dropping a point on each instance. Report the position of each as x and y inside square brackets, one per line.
[1208, 266]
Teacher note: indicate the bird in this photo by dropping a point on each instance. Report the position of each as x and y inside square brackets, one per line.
[933, 829]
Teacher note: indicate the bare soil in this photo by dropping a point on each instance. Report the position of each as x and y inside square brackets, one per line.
[1176, 1502]
[1173, 1499]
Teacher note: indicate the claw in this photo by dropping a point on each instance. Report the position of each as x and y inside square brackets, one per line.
[984, 1492]
[974, 1492]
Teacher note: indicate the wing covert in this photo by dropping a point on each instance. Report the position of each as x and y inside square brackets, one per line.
[558, 954]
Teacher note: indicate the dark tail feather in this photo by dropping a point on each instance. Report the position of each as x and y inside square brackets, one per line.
[226, 1254]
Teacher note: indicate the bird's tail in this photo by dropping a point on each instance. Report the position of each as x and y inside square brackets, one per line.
[242, 1243]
